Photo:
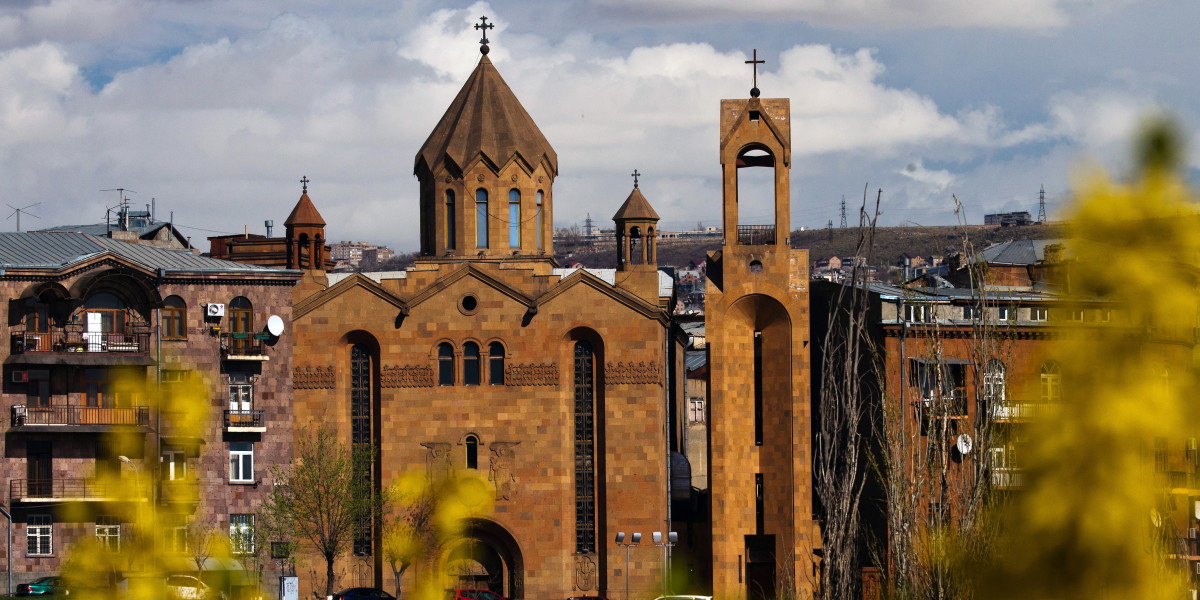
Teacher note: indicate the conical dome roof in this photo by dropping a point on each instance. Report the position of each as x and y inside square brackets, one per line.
[305, 214]
[636, 207]
[486, 118]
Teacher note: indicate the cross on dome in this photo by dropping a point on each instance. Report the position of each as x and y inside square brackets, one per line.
[755, 61]
[483, 25]
[635, 175]
[304, 181]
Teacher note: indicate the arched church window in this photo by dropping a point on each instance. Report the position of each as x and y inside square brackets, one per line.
[472, 443]
[445, 364]
[470, 363]
[540, 217]
[585, 446]
[514, 219]
[481, 218]
[450, 233]
[496, 363]
[360, 429]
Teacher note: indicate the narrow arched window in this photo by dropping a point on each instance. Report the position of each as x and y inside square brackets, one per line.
[1051, 382]
[445, 364]
[496, 363]
[450, 232]
[514, 219]
[481, 218]
[585, 444]
[241, 324]
[472, 444]
[174, 318]
[470, 363]
[540, 217]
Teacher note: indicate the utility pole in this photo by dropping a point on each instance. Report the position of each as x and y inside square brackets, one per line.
[843, 211]
[1042, 205]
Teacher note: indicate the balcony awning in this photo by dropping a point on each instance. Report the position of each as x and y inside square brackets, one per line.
[86, 359]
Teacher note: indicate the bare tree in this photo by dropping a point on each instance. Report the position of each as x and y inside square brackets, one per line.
[848, 367]
[324, 500]
[409, 532]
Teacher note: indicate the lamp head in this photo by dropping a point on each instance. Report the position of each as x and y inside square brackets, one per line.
[620, 536]
[637, 538]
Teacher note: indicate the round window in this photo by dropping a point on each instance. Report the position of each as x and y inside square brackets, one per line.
[469, 303]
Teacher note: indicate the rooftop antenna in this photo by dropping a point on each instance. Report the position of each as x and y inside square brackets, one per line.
[1042, 205]
[843, 211]
[123, 213]
[18, 211]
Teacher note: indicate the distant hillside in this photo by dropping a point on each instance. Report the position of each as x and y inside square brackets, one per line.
[890, 243]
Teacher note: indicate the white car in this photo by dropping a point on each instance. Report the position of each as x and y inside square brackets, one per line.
[186, 587]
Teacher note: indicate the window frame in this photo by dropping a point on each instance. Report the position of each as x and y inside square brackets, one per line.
[1050, 383]
[241, 533]
[450, 225]
[514, 218]
[1039, 313]
[472, 367]
[445, 361]
[238, 457]
[496, 356]
[108, 532]
[37, 532]
[481, 218]
[173, 319]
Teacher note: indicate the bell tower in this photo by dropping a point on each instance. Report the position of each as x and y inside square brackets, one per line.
[305, 234]
[637, 244]
[757, 323]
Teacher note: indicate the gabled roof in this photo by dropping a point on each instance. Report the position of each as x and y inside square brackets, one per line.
[1018, 252]
[305, 214]
[636, 207]
[486, 119]
[59, 250]
[344, 285]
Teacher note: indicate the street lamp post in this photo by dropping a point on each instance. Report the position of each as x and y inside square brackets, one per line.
[672, 539]
[634, 540]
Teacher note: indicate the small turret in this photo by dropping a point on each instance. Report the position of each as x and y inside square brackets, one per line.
[636, 221]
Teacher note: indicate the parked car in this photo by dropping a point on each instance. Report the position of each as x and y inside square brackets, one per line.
[588, 598]
[46, 586]
[685, 597]
[363, 593]
[469, 594]
[186, 587]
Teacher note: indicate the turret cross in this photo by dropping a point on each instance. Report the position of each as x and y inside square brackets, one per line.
[304, 182]
[635, 177]
[484, 25]
[755, 62]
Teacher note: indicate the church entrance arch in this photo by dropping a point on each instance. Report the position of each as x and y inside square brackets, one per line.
[487, 557]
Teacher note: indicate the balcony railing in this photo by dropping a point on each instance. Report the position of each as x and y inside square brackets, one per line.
[245, 421]
[1021, 411]
[64, 340]
[23, 415]
[244, 346]
[179, 491]
[31, 490]
[756, 235]
[1007, 477]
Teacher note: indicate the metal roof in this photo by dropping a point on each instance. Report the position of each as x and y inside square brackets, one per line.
[694, 359]
[1018, 252]
[53, 250]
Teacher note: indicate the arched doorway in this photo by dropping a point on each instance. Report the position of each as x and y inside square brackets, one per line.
[486, 558]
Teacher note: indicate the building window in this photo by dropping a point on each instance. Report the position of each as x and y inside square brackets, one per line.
[450, 232]
[241, 322]
[472, 443]
[1077, 314]
[1105, 315]
[1038, 314]
[514, 219]
[175, 533]
[174, 318]
[174, 464]
[696, 410]
[361, 382]
[481, 218]
[241, 533]
[496, 363]
[106, 313]
[445, 364]
[108, 533]
[241, 393]
[1007, 313]
[540, 217]
[918, 313]
[993, 383]
[470, 363]
[585, 472]
[1051, 381]
[39, 535]
[972, 312]
[241, 462]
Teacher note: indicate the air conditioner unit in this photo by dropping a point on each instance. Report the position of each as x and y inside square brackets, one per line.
[215, 310]
[20, 376]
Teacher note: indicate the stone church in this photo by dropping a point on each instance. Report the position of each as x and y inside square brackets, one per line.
[554, 385]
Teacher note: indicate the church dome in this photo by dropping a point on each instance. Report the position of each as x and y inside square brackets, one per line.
[486, 119]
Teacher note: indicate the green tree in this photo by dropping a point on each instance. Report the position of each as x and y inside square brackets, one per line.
[323, 499]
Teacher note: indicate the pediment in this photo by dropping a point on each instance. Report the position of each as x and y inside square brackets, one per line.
[355, 282]
[584, 278]
[469, 271]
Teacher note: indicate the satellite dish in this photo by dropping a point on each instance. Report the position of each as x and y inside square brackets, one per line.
[275, 325]
[964, 444]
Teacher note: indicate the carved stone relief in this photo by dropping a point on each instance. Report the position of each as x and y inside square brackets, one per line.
[531, 374]
[501, 469]
[633, 373]
[438, 461]
[395, 376]
[585, 572]
[313, 378]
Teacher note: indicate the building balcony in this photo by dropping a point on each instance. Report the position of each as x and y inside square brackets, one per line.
[75, 489]
[1008, 478]
[1022, 411]
[72, 345]
[78, 418]
[244, 346]
[245, 421]
[179, 491]
[756, 235]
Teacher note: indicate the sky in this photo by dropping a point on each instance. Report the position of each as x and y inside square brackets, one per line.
[213, 110]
